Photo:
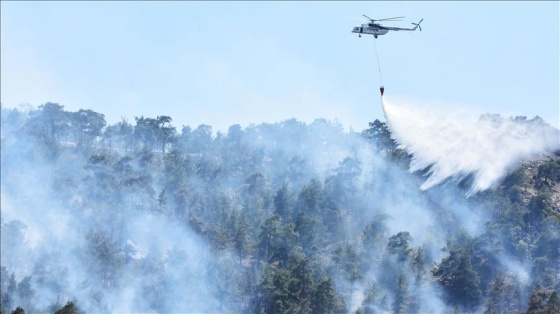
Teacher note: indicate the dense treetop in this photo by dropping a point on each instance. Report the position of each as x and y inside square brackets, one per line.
[286, 217]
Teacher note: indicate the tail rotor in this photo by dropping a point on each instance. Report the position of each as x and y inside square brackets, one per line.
[418, 25]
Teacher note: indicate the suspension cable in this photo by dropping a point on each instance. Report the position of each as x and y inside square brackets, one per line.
[377, 58]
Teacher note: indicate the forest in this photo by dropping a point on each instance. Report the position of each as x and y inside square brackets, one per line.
[286, 217]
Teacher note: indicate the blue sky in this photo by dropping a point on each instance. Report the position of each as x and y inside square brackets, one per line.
[225, 63]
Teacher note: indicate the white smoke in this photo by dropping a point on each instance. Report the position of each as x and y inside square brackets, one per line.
[458, 144]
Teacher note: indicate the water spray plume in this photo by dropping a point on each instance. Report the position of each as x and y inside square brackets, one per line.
[455, 145]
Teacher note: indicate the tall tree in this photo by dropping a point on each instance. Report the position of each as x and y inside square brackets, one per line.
[150, 131]
[88, 125]
[398, 245]
[282, 201]
[401, 302]
[50, 120]
[119, 136]
[543, 301]
[380, 134]
[165, 132]
[69, 308]
[374, 232]
[106, 256]
[460, 281]
[325, 299]
[18, 310]
[269, 237]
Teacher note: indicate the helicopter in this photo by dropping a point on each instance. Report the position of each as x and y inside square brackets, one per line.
[376, 29]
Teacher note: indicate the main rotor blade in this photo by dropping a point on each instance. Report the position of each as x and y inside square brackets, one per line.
[391, 18]
[369, 18]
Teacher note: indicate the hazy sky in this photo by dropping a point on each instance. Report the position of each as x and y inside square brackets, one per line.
[225, 63]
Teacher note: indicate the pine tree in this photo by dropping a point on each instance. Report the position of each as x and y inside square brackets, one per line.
[69, 308]
[401, 301]
[460, 280]
[18, 310]
[325, 299]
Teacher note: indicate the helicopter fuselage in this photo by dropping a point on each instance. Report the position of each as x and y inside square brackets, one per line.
[371, 29]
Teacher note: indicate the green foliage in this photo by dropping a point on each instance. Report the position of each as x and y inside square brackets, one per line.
[269, 238]
[371, 299]
[418, 263]
[462, 284]
[283, 202]
[151, 132]
[295, 290]
[375, 232]
[107, 254]
[325, 299]
[351, 264]
[379, 133]
[309, 198]
[401, 301]
[516, 178]
[305, 226]
[49, 122]
[242, 240]
[398, 245]
[119, 136]
[543, 302]
[18, 310]
[549, 173]
[290, 239]
[69, 308]
[88, 125]
[538, 206]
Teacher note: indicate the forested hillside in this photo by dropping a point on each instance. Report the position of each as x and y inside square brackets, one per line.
[288, 217]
